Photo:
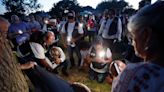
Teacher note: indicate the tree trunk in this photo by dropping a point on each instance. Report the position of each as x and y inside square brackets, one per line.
[11, 76]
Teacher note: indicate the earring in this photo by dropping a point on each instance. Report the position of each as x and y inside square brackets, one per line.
[146, 48]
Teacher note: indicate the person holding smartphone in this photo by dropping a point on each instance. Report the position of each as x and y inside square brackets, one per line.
[146, 29]
[100, 59]
[115, 69]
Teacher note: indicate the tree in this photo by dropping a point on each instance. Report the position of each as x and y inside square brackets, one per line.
[20, 6]
[129, 11]
[11, 77]
[59, 8]
[142, 3]
[117, 5]
[7, 15]
[88, 8]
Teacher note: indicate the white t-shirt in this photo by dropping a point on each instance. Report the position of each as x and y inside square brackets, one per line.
[104, 28]
[84, 54]
[70, 29]
[101, 21]
[60, 25]
[44, 29]
[39, 53]
[105, 69]
[37, 50]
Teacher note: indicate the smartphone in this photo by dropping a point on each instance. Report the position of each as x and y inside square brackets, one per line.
[117, 69]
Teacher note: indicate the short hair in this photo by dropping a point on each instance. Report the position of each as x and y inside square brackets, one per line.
[39, 36]
[97, 40]
[47, 34]
[54, 50]
[151, 16]
[84, 45]
[13, 18]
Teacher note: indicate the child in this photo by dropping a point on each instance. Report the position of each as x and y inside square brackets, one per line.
[57, 58]
[84, 50]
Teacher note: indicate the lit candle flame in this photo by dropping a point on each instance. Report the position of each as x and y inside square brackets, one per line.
[20, 32]
[46, 21]
[81, 25]
[68, 39]
[101, 54]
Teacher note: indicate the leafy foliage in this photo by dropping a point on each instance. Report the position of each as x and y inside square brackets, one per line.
[20, 6]
[118, 5]
[87, 8]
[58, 8]
[142, 3]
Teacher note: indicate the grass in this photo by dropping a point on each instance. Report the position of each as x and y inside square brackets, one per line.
[81, 76]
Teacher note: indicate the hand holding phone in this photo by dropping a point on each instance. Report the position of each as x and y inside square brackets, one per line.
[116, 67]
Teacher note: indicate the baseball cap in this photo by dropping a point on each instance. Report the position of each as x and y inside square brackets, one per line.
[71, 13]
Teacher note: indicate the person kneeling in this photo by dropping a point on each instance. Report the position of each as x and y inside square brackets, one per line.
[57, 59]
[100, 58]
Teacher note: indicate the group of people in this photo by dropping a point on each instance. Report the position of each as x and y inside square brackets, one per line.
[36, 47]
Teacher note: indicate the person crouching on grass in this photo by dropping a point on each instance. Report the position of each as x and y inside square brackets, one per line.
[84, 50]
[100, 58]
[57, 58]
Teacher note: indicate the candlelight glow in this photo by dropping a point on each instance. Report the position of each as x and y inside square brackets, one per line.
[68, 39]
[101, 54]
[20, 32]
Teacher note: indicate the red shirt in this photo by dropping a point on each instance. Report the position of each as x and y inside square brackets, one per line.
[91, 23]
